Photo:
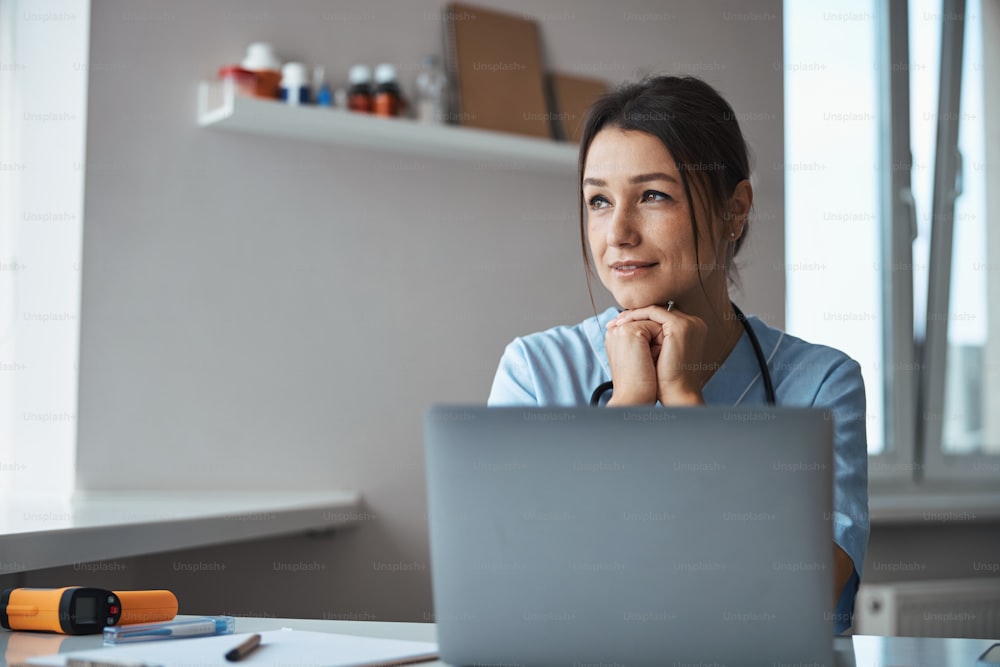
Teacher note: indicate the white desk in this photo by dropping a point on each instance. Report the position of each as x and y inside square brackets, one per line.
[859, 651]
[93, 526]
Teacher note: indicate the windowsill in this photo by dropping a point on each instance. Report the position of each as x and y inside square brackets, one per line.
[94, 526]
[933, 505]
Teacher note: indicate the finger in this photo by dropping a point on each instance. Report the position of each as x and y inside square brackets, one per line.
[653, 313]
[646, 330]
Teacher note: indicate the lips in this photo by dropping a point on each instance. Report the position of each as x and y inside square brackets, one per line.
[629, 265]
[631, 268]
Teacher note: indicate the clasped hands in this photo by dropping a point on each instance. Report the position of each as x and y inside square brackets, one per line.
[656, 354]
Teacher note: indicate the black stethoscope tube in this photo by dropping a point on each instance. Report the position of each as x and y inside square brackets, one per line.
[595, 398]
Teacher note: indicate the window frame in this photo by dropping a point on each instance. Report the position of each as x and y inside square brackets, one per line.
[940, 466]
[898, 460]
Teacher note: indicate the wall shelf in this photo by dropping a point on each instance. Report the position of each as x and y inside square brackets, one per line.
[221, 108]
[43, 532]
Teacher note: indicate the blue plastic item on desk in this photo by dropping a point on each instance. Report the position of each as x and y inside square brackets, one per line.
[195, 626]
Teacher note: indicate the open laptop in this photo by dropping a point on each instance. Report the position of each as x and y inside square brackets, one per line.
[631, 536]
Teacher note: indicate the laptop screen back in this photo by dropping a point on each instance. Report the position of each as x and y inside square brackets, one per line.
[631, 536]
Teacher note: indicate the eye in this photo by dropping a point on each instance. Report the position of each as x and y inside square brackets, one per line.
[598, 202]
[653, 195]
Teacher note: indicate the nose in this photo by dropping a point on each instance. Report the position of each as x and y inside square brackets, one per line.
[624, 227]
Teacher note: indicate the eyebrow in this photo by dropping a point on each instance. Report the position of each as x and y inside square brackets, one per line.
[641, 178]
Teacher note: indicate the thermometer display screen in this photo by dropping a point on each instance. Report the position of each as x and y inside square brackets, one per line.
[86, 610]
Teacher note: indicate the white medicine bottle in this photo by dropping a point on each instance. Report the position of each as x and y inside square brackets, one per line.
[432, 91]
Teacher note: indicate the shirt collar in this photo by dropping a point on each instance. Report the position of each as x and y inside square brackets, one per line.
[596, 331]
[732, 379]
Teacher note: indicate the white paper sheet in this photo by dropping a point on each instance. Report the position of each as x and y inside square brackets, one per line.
[278, 647]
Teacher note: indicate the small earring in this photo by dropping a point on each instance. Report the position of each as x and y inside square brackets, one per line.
[732, 233]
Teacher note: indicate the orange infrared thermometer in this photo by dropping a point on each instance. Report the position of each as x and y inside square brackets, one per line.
[80, 610]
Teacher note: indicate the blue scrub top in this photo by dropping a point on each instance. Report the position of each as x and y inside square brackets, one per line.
[563, 365]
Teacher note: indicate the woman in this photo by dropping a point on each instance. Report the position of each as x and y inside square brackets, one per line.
[664, 178]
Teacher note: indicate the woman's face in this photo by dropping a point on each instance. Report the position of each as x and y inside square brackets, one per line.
[639, 224]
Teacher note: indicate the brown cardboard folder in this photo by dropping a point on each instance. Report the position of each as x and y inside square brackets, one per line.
[495, 63]
[571, 98]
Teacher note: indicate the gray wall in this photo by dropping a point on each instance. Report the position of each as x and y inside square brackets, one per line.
[265, 314]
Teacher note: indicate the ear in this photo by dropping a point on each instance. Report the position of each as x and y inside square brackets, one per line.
[739, 208]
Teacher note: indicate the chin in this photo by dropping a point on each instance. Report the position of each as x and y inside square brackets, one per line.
[635, 301]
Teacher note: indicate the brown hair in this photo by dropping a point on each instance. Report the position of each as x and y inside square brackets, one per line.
[700, 130]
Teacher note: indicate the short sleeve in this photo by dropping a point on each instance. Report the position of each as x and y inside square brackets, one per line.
[514, 382]
[843, 393]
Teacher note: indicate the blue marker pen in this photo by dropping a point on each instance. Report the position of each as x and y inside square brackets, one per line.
[196, 626]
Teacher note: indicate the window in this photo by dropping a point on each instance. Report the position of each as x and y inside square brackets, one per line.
[959, 444]
[43, 79]
[850, 222]
[831, 207]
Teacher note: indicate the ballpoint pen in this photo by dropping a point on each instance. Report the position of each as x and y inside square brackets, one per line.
[244, 649]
